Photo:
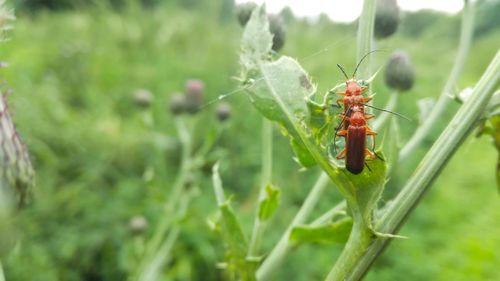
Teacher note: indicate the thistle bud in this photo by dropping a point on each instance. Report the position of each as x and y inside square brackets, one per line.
[277, 28]
[143, 98]
[138, 225]
[399, 72]
[177, 104]
[386, 18]
[223, 111]
[244, 11]
[194, 95]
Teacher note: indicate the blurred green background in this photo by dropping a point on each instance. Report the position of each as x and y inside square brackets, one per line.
[74, 67]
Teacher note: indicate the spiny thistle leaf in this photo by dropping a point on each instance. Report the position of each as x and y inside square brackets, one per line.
[280, 88]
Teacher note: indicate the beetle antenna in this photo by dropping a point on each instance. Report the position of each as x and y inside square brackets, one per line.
[388, 111]
[343, 71]
[361, 60]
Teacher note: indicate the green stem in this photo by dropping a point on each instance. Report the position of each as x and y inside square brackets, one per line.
[436, 158]
[365, 38]
[161, 257]
[169, 208]
[360, 238]
[267, 158]
[329, 215]
[2, 275]
[273, 262]
[444, 100]
[384, 116]
[220, 197]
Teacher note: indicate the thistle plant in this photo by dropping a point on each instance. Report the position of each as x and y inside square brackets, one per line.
[151, 253]
[283, 92]
[16, 172]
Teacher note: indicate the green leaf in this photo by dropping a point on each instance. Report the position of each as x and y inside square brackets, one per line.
[278, 89]
[337, 232]
[280, 95]
[233, 232]
[231, 229]
[257, 40]
[269, 204]
[318, 119]
[366, 188]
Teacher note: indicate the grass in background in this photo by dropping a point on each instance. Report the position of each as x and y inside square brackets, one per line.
[74, 74]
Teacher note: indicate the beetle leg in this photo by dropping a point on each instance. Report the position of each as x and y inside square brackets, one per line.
[370, 154]
[342, 133]
[341, 153]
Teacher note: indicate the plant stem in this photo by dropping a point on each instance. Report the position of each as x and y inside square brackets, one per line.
[267, 158]
[423, 130]
[360, 238]
[436, 158]
[161, 230]
[273, 262]
[162, 255]
[177, 187]
[365, 38]
[384, 116]
[2, 275]
[330, 214]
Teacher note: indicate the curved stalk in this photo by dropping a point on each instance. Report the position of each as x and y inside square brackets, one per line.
[365, 38]
[467, 29]
[2, 276]
[161, 230]
[279, 252]
[384, 116]
[267, 158]
[359, 240]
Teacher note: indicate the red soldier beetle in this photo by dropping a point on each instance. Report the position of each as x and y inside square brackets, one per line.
[355, 150]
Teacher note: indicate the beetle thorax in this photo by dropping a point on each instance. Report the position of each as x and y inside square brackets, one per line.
[352, 88]
[357, 118]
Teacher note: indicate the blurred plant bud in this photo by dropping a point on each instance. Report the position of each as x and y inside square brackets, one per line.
[138, 225]
[223, 111]
[16, 176]
[194, 95]
[143, 98]
[177, 104]
[399, 72]
[386, 18]
[277, 28]
[244, 11]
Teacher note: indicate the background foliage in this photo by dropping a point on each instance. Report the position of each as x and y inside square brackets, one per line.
[74, 72]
